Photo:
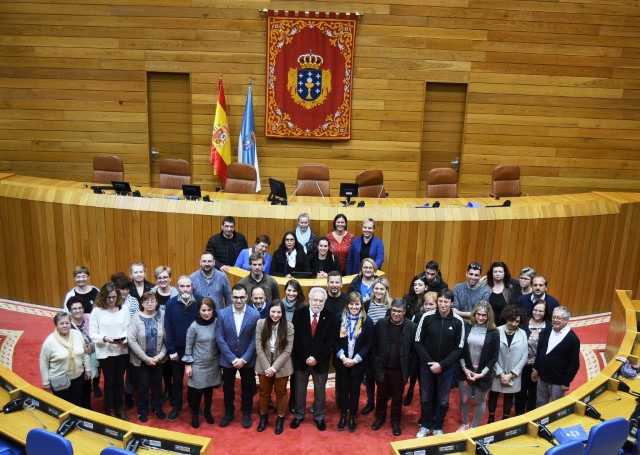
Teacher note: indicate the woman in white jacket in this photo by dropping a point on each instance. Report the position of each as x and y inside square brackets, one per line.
[511, 360]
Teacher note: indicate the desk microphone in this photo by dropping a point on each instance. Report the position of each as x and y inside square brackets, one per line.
[481, 449]
[296, 190]
[321, 193]
[544, 433]
[592, 412]
[506, 203]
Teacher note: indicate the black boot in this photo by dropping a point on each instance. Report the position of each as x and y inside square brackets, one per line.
[343, 422]
[352, 424]
[492, 418]
[279, 424]
[96, 387]
[208, 416]
[409, 398]
[195, 421]
[264, 419]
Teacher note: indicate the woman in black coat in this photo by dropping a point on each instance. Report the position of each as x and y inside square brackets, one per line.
[323, 261]
[354, 341]
[289, 260]
[479, 355]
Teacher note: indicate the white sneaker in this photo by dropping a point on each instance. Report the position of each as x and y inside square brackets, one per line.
[423, 432]
[463, 427]
[437, 432]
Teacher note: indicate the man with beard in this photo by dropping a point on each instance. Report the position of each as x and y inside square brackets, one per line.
[433, 276]
[258, 278]
[226, 245]
[180, 313]
[336, 299]
[469, 292]
[209, 282]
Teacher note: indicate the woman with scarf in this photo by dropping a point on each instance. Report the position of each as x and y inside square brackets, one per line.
[64, 362]
[274, 341]
[355, 332]
[290, 258]
[202, 359]
[305, 236]
[293, 298]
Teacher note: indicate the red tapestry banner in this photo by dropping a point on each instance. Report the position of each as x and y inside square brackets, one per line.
[309, 75]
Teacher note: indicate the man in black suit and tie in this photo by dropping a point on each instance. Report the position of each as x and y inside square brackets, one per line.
[312, 341]
[558, 358]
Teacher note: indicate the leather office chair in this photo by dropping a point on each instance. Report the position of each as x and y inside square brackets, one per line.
[313, 180]
[370, 183]
[174, 173]
[442, 182]
[505, 181]
[607, 437]
[43, 442]
[107, 168]
[241, 178]
[568, 448]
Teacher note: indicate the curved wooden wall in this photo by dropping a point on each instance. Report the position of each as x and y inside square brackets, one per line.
[552, 86]
[586, 244]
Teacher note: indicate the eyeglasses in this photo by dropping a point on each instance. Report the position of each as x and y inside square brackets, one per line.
[289, 240]
[162, 278]
[524, 278]
[316, 300]
[557, 318]
[112, 297]
[239, 297]
[475, 266]
[396, 310]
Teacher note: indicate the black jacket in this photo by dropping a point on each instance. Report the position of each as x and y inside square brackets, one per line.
[561, 365]
[280, 266]
[439, 339]
[318, 346]
[363, 347]
[225, 251]
[381, 348]
[330, 264]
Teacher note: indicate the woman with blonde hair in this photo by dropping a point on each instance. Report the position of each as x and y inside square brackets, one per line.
[479, 356]
[274, 342]
[363, 283]
[352, 347]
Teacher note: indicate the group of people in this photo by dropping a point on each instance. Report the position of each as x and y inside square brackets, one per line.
[490, 335]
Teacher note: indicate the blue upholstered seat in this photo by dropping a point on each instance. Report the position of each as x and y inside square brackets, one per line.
[43, 442]
[607, 437]
[116, 451]
[568, 448]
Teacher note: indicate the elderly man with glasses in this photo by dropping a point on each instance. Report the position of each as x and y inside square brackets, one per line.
[557, 359]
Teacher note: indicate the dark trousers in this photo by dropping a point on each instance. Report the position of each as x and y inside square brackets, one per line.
[247, 385]
[370, 384]
[434, 396]
[149, 380]
[74, 393]
[194, 397]
[86, 393]
[392, 387]
[177, 375]
[526, 398]
[348, 386]
[113, 369]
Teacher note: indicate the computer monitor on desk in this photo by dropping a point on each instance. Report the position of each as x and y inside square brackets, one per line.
[278, 192]
[347, 191]
[191, 192]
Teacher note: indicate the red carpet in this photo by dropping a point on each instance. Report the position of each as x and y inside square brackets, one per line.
[23, 328]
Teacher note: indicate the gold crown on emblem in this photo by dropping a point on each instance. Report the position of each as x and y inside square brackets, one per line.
[310, 60]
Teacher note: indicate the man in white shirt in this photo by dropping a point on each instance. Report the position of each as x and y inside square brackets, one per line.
[558, 358]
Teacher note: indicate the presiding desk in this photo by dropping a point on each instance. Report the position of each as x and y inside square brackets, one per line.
[49, 226]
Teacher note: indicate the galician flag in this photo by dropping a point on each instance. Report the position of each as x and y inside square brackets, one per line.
[247, 151]
[220, 140]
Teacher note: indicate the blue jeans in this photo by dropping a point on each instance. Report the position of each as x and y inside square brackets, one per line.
[434, 388]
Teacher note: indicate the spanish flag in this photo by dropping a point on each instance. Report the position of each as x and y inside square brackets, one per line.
[220, 139]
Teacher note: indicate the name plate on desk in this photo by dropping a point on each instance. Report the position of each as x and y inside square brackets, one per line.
[6, 385]
[164, 445]
[438, 449]
[504, 434]
[596, 393]
[33, 403]
[99, 428]
[557, 415]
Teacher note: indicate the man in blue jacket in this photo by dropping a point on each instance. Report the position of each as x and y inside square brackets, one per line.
[236, 338]
[180, 313]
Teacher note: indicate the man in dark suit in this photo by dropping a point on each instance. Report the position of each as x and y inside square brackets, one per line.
[558, 358]
[236, 338]
[312, 341]
[539, 287]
